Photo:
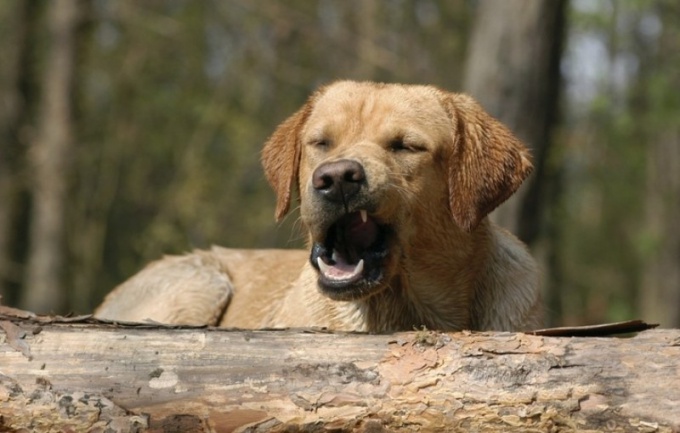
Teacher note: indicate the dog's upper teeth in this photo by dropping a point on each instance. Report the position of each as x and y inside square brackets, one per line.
[334, 256]
[359, 269]
[364, 215]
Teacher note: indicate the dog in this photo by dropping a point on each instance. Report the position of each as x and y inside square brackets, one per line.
[395, 183]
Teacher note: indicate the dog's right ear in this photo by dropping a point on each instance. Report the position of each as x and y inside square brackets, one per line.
[281, 158]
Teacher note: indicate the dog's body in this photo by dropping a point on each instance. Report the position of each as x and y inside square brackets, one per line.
[395, 184]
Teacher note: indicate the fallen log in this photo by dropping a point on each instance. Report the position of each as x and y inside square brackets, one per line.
[82, 375]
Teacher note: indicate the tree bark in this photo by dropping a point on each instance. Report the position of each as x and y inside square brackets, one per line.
[513, 70]
[49, 159]
[89, 376]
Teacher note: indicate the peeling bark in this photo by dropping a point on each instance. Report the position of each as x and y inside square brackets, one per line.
[92, 376]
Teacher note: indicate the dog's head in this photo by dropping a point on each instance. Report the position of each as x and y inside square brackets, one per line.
[373, 163]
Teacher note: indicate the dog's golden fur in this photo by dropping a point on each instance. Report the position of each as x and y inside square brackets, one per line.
[426, 167]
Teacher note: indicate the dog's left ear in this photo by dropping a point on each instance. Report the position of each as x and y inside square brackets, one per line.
[487, 163]
[281, 158]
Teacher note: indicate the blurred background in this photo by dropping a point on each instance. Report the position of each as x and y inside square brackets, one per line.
[131, 129]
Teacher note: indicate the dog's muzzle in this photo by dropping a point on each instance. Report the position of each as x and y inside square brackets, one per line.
[351, 256]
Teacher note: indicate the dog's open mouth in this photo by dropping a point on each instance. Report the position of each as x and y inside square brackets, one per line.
[351, 258]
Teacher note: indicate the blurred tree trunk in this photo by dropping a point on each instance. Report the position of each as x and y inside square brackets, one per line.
[49, 162]
[513, 71]
[88, 212]
[10, 113]
[16, 79]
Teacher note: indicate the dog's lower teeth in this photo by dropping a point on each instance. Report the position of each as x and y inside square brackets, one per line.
[323, 267]
[337, 273]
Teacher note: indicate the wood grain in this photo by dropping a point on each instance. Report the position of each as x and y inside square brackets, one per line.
[89, 376]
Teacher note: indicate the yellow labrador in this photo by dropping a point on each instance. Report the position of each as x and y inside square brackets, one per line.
[395, 182]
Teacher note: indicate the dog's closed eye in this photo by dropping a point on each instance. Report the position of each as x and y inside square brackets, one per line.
[319, 142]
[405, 144]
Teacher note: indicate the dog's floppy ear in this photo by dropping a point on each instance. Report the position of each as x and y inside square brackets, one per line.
[281, 158]
[487, 163]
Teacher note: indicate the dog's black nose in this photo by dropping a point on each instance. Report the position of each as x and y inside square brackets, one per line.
[338, 181]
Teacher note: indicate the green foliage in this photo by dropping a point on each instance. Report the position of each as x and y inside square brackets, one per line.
[606, 237]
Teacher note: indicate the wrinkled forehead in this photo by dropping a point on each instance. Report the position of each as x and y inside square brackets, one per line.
[367, 107]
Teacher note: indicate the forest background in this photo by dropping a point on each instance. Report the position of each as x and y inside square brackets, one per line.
[131, 129]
